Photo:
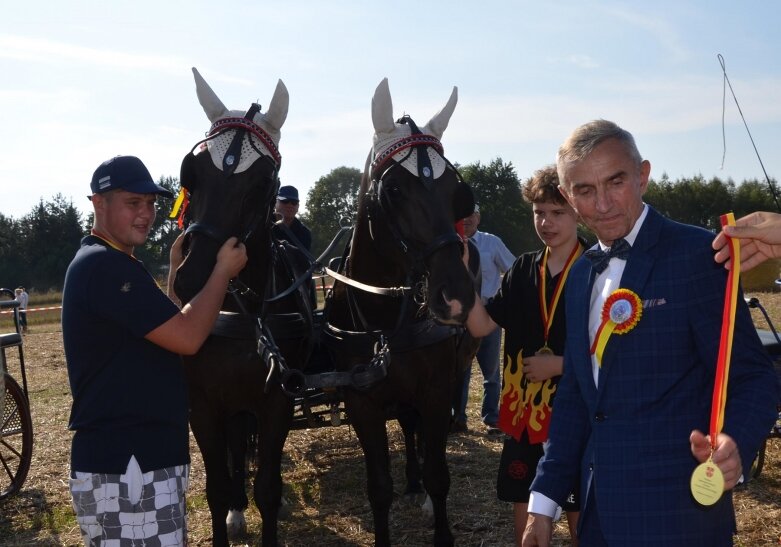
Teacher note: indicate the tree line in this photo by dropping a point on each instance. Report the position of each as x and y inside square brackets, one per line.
[35, 250]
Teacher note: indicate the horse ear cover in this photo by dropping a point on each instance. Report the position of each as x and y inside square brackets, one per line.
[463, 201]
[212, 105]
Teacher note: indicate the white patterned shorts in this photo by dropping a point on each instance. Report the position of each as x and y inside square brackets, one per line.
[132, 509]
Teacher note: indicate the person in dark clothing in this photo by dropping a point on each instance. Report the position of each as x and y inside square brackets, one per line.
[122, 338]
[287, 209]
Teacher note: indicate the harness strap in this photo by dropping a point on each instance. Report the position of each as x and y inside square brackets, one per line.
[233, 155]
[384, 291]
[316, 264]
[224, 124]
[425, 172]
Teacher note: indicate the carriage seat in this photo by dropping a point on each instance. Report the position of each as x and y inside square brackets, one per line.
[10, 340]
[14, 338]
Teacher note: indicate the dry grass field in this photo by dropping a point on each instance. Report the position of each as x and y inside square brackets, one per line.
[324, 478]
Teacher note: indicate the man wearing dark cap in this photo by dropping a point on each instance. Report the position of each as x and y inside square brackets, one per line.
[287, 208]
[122, 336]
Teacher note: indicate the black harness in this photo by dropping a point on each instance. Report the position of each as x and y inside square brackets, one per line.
[372, 345]
[264, 327]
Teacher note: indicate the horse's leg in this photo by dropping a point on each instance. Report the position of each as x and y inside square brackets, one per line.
[238, 428]
[369, 423]
[209, 431]
[274, 420]
[436, 476]
[409, 420]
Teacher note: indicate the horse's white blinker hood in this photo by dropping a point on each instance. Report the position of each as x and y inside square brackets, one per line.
[271, 122]
[387, 132]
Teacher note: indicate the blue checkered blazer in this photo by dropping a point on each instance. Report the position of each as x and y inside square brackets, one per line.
[630, 437]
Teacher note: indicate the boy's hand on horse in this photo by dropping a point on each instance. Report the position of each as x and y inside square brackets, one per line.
[231, 258]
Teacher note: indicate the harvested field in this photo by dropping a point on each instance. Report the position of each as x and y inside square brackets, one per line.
[324, 478]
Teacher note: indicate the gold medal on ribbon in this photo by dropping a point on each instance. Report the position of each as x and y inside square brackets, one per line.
[707, 483]
[544, 350]
[548, 311]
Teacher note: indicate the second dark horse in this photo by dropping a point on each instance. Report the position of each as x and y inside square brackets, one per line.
[395, 312]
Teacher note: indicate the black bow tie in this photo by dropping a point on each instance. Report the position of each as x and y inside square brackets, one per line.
[599, 258]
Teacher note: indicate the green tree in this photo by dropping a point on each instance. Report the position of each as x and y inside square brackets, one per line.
[503, 212]
[11, 256]
[754, 195]
[51, 236]
[692, 200]
[333, 197]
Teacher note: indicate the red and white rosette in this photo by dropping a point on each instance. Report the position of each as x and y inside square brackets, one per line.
[620, 313]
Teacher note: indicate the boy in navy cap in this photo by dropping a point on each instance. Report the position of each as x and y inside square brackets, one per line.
[122, 336]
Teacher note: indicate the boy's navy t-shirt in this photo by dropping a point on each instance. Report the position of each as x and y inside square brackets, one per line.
[129, 395]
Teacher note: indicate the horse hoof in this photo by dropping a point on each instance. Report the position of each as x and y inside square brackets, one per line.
[412, 498]
[427, 506]
[236, 523]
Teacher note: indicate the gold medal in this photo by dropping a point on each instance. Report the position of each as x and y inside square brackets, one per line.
[544, 350]
[707, 483]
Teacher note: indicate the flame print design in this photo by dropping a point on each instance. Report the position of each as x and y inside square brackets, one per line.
[523, 404]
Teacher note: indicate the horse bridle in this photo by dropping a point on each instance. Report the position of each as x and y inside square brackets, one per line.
[230, 162]
[419, 142]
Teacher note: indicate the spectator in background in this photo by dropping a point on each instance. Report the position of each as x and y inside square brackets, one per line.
[287, 209]
[495, 259]
[24, 299]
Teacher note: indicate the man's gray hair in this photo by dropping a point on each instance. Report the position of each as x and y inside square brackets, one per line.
[587, 137]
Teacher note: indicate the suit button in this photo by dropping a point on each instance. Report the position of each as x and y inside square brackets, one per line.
[599, 417]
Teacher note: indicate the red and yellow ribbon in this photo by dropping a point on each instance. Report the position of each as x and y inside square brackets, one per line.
[620, 313]
[547, 312]
[180, 203]
[727, 330]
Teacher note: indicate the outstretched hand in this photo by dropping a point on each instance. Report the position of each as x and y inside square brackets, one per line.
[760, 239]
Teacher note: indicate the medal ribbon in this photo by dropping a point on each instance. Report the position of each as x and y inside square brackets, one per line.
[547, 312]
[727, 330]
[108, 241]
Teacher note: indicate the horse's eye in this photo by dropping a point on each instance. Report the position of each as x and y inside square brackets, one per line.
[394, 190]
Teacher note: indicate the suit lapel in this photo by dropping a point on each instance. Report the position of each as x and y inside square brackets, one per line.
[635, 278]
[581, 285]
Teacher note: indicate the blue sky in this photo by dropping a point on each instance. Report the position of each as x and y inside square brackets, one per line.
[82, 81]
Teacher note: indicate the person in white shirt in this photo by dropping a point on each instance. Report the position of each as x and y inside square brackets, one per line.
[24, 299]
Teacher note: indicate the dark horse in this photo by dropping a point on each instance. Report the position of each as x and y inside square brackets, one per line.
[394, 313]
[232, 185]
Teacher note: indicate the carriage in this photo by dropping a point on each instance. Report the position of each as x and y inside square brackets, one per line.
[16, 429]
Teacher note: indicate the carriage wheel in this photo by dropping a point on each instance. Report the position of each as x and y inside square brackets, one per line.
[16, 439]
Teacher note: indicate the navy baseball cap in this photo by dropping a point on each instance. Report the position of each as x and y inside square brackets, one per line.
[287, 193]
[126, 173]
